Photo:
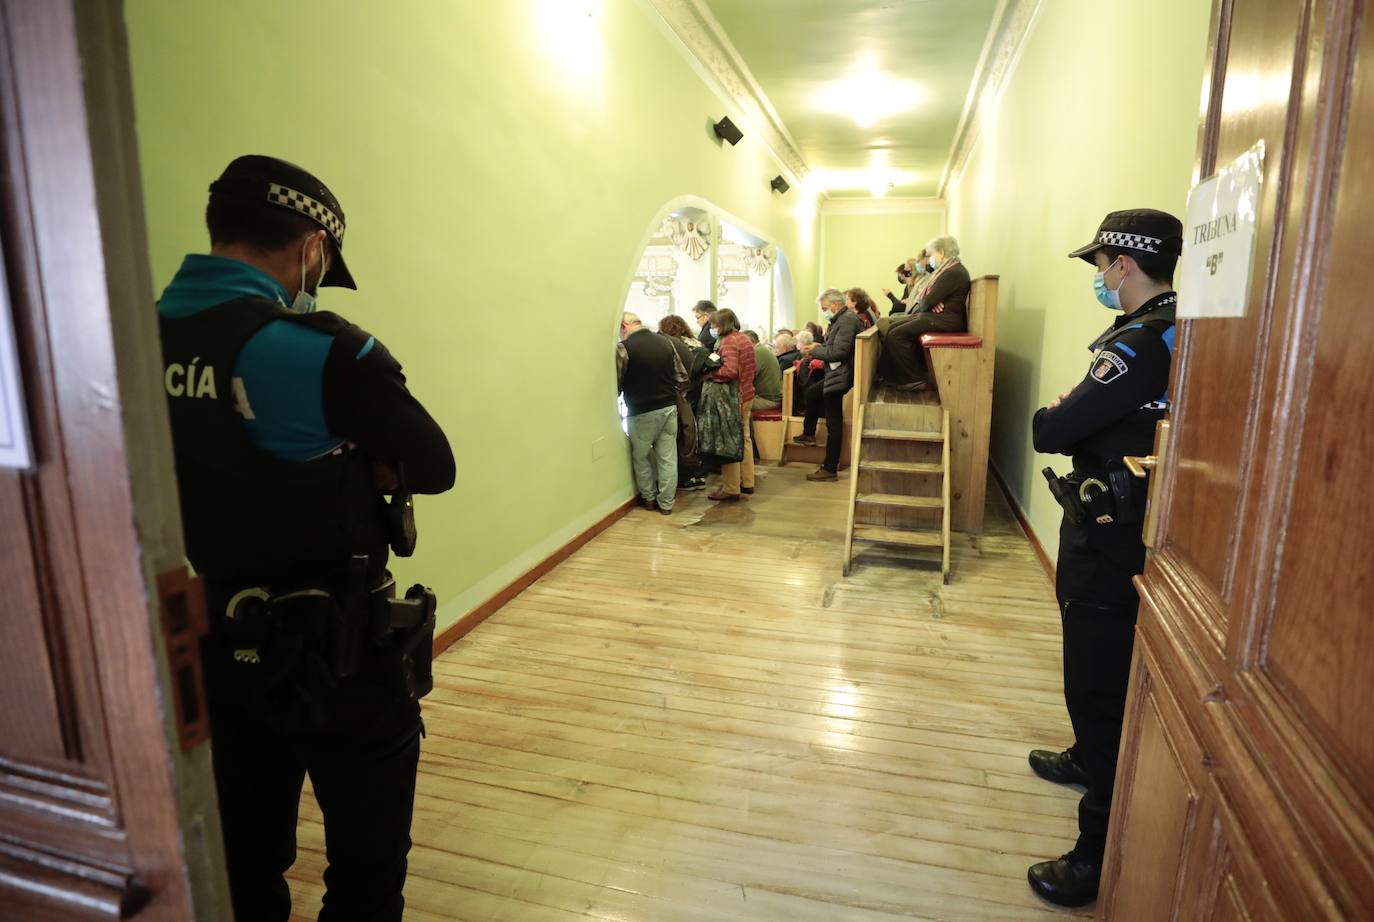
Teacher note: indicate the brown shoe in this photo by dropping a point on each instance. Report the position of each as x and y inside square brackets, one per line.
[804, 440]
[662, 511]
[720, 497]
[821, 474]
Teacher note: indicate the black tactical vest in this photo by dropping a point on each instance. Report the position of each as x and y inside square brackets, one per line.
[1133, 434]
[251, 518]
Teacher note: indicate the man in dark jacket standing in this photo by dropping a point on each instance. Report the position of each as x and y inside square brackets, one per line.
[827, 395]
[651, 377]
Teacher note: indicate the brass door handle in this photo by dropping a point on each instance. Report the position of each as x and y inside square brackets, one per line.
[1140, 467]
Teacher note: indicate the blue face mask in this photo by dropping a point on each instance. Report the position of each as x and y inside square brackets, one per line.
[306, 302]
[1108, 297]
[932, 264]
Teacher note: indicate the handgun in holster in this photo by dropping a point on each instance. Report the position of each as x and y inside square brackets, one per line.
[339, 623]
[409, 623]
[1066, 495]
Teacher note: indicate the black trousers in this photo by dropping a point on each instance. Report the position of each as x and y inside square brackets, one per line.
[903, 360]
[365, 785]
[1098, 606]
[831, 405]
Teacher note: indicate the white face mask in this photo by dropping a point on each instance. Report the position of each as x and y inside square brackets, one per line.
[307, 302]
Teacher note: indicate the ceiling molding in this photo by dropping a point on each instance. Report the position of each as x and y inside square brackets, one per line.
[881, 206]
[704, 38]
[1011, 23]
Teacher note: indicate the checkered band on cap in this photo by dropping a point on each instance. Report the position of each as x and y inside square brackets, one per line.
[1130, 241]
[316, 211]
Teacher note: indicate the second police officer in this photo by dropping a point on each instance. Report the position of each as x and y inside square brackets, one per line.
[1110, 415]
[289, 427]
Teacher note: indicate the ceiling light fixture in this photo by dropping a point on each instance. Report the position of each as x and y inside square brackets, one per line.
[870, 96]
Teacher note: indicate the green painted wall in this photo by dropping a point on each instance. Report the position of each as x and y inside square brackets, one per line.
[1100, 114]
[863, 250]
[501, 165]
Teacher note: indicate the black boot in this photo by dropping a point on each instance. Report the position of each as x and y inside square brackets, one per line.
[1069, 881]
[1058, 767]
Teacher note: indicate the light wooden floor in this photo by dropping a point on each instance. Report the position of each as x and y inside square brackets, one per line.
[696, 718]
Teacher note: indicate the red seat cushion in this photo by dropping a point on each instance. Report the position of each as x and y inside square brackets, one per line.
[951, 341]
[768, 416]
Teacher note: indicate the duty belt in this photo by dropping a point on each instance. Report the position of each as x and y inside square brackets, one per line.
[1086, 498]
[336, 624]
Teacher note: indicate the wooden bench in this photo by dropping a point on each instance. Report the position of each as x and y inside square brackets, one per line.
[769, 433]
[961, 365]
[792, 423]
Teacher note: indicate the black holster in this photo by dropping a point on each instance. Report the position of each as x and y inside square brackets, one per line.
[1106, 500]
[330, 626]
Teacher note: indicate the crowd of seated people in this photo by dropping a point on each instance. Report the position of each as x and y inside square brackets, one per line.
[935, 293]
[938, 303]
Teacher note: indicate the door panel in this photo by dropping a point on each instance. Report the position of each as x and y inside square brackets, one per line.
[1230, 907]
[1252, 620]
[88, 803]
[1155, 810]
[1220, 400]
[1321, 637]
[32, 725]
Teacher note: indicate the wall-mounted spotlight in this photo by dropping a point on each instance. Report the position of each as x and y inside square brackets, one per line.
[779, 185]
[726, 131]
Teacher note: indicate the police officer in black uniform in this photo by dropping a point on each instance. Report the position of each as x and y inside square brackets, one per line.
[290, 427]
[1110, 414]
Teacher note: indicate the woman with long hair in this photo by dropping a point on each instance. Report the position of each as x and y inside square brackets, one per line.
[737, 360]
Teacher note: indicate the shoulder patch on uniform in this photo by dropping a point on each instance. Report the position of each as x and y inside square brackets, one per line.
[1108, 367]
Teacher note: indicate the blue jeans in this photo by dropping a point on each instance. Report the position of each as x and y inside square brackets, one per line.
[653, 455]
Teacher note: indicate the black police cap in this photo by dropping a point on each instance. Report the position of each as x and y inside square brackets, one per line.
[1142, 229]
[258, 178]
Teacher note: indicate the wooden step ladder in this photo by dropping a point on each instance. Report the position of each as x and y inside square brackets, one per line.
[899, 482]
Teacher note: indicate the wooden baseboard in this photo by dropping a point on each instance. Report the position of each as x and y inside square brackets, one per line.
[488, 608]
[1024, 522]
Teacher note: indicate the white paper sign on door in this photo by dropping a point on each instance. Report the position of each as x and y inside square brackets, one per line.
[15, 448]
[1219, 240]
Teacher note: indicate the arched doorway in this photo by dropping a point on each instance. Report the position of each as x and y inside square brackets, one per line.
[695, 251]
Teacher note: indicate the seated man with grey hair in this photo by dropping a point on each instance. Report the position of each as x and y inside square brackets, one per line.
[651, 378]
[827, 394]
[943, 308]
[785, 348]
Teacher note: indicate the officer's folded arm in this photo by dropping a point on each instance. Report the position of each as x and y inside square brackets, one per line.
[1094, 404]
[367, 403]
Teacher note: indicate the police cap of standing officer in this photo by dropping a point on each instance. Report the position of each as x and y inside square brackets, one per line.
[1110, 414]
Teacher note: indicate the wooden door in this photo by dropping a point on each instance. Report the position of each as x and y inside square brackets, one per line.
[1246, 788]
[93, 785]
